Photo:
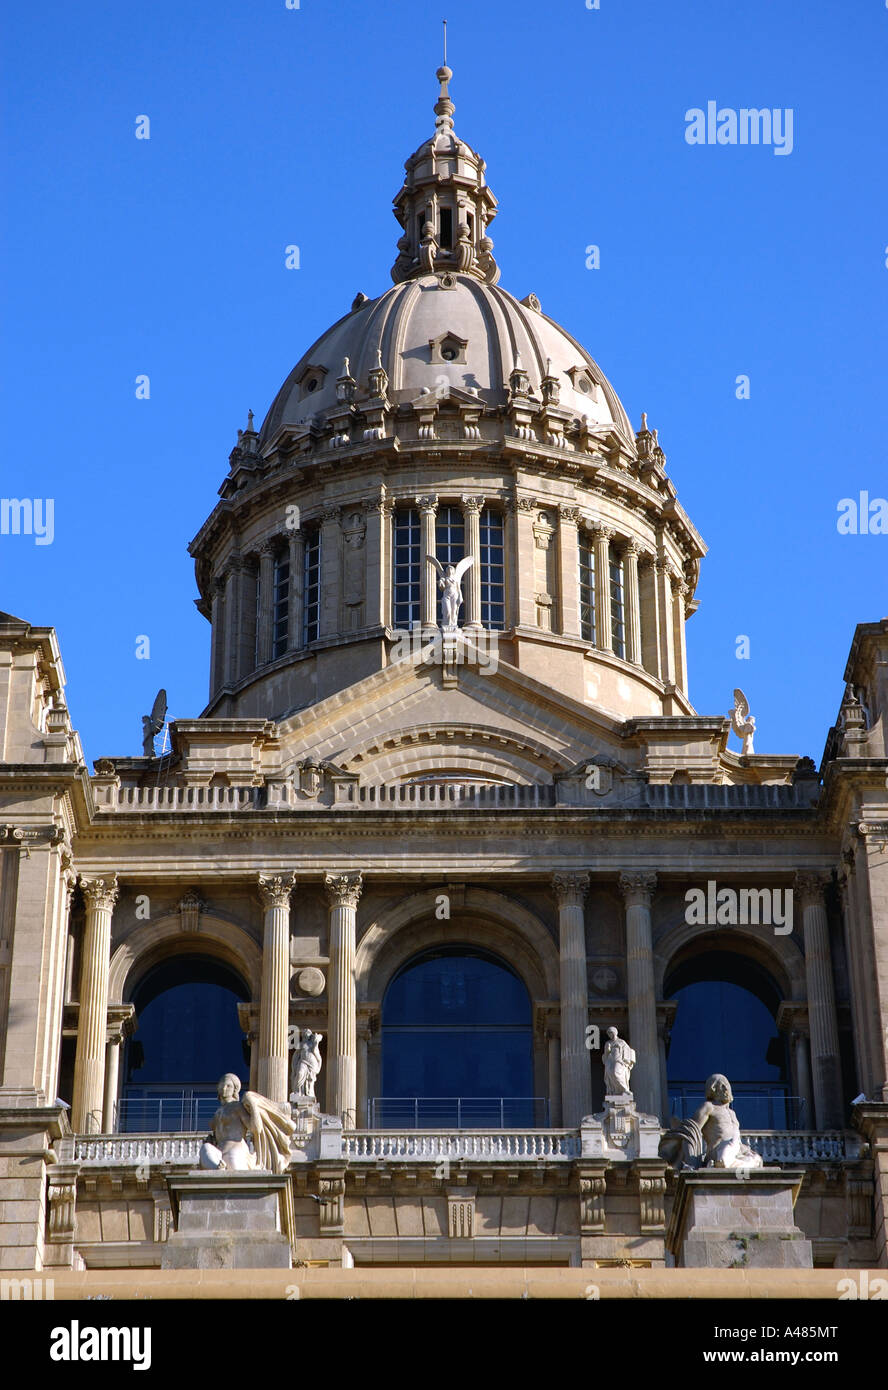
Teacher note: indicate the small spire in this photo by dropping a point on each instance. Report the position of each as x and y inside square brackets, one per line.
[444, 107]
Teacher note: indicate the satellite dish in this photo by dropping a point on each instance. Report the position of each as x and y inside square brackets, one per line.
[153, 723]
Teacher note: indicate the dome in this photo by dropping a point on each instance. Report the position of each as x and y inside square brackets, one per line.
[441, 332]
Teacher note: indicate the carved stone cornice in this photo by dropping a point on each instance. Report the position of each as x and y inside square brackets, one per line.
[100, 893]
[343, 890]
[275, 890]
[637, 886]
[570, 888]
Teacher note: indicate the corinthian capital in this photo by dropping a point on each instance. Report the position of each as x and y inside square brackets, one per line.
[637, 887]
[809, 887]
[427, 503]
[100, 893]
[343, 890]
[570, 889]
[275, 890]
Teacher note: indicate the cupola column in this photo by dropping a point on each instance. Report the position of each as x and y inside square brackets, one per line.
[679, 595]
[663, 583]
[378, 511]
[217, 635]
[472, 515]
[650, 623]
[638, 891]
[265, 608]
[274, 1004]
[523, 562]
[633, 603]
[576, 1074]
[331, 565]
[343, 892]
[100, 895]
[569, 566]
[822, 1019]
[297, 580]
[604, 639]
[428, 507]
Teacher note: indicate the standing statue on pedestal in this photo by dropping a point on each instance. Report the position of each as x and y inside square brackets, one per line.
[306, 1067]
[712, 1138]
[268, 1124]
[451, 592]
[618, 1059]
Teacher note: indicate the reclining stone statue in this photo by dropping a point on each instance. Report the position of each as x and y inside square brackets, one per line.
[268, 1124]
[712, 1138]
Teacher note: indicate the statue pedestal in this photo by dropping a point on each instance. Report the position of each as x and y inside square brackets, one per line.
[721, 1220]
[230, 1221]
[620, 1132]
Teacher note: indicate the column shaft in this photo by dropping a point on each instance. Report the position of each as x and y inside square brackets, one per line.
[343, 891]
[679, 594]
[569, 570]
[265, 605]
[576, 1078]
[822, 1021]
[637, 891]
[92, 1024]
[604, 639]
[274, 1004]
[428, 575]
[633, 603]
[663, 584]
[472, 516]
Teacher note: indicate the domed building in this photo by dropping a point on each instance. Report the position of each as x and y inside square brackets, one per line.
[450, 808]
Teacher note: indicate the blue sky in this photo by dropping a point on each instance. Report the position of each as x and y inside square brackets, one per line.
[272, 126]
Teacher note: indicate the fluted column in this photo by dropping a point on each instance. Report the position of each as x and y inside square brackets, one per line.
[331, 569]
[803, 1075]
[296, 596]
[633, 603]
[265, 607]
[472, 515]
[650, 623]
[217, 636]
[663, 584]
[679, 594]
[343, 892]
[604, 638]
[576, 1079]
[378, 511]
[638, 890]
[569, 570]
[100, 895]
[274, 1003]
[523, 562]
[428, 575]
[235, 577]
[822, 1021]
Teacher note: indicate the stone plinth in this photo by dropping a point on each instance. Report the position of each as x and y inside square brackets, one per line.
[230, 1221]
[620, 1132]
[722, 1220]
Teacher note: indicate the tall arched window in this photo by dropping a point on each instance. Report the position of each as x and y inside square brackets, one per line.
[726, 1023]
[188, 1036]
[457, 1044]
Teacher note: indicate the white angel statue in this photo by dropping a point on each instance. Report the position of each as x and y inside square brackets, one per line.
[742, 722]
[268, 1124]
[451, 592]
[306, 1066]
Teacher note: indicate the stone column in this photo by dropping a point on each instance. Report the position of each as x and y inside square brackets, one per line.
[378, 512]
[274, 1004]
[343, 891]
[331, 570]
[604, 639]
[576, 1079]
[472, 584]
[822, 1022]
[633, 603]
[265, 606]
[235, 576]
[92, 1024]
[523, 563]
[679, 594]
[119, 1028]
[637, 890]
[297, 581]
[650, 623]
[663, 584]
[428, 575]
[803, 1075]
[217, 639]
[554, 1044]
[569, 570]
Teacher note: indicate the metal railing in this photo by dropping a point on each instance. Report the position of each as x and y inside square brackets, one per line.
[757, 1107]
[457, 1112]
[180, 1111]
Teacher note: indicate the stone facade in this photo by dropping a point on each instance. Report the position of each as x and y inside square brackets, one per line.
[544, 775]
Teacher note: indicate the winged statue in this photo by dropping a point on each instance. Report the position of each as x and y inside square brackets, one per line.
[449, 582]
[742, 722]
[269, 1126]
[153, 723]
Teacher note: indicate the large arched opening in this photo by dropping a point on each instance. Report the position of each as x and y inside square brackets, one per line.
[188, 1035]
[457, 1044]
